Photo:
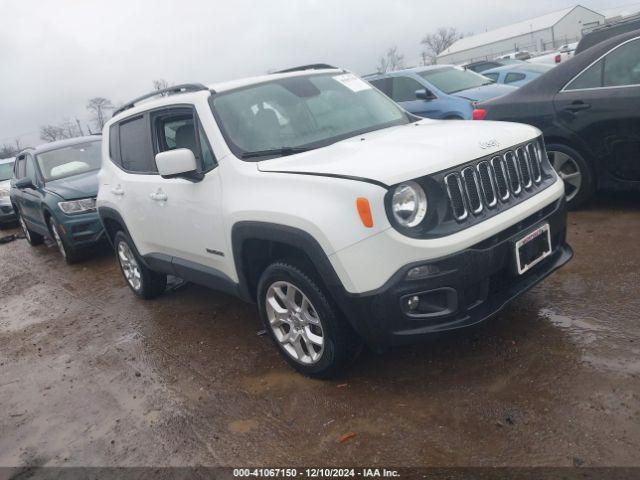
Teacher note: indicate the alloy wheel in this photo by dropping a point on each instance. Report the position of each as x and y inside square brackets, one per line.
[129, 266]
[295, 322]
[25, 229]
[569, 171]
[56, 237]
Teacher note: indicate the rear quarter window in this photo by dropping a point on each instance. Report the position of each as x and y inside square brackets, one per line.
[136, 154]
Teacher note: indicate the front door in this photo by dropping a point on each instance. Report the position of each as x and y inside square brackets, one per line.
[602, 106]
[188, 213]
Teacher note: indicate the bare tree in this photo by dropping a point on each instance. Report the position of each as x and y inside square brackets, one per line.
[8, 150]
[161, 84]
[437, 42]
[390, 61]
[66, 129]
[99, 108]
[51, 133]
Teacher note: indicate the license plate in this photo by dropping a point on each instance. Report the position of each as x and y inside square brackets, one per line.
[533, 248]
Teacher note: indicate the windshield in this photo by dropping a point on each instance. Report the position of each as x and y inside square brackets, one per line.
[452, 79]
[6, 171]
[289, 115]
[68, 161]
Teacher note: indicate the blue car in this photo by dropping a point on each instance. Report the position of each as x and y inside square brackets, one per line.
[438, 91]
[53, 192]
[517, 75]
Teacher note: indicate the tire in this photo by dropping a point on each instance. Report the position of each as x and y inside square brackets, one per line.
[577, 173]
[70, 254]
[286, 287]
[142, 281]
[32, 237]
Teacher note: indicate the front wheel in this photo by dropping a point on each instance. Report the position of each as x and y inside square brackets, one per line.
[302, 321]
[32, 237]
[142, 281]
[68, 252]
[575, 171]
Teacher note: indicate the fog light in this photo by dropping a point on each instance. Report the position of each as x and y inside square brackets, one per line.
[422, 271]
[413, 303]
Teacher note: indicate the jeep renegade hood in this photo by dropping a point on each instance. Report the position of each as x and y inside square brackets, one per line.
[397, 154]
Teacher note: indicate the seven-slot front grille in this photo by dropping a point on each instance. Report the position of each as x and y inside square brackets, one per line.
[499, 179]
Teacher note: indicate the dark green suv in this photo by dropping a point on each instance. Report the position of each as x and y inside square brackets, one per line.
[54, 194]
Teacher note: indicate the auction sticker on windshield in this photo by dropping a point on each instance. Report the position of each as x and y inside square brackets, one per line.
[352, 82]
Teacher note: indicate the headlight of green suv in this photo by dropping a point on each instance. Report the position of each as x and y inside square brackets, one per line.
[409, 204]
[83, 205]
[4, 193]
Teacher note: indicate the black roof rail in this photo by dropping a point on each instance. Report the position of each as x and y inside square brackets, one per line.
[185, 87]
[312, 66]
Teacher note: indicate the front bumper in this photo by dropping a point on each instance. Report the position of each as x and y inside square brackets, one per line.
[7, 213]
[467, 287]
[82, 230]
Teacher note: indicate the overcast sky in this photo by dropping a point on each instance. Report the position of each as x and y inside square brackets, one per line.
[55, 54]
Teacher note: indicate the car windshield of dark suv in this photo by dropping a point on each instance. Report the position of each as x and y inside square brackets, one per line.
[294, 114]
[6, 171]
[71, 160]
[452, 80]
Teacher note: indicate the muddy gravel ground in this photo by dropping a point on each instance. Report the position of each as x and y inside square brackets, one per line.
[92, 376]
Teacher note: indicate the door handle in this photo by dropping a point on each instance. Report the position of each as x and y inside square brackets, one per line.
[159, 196]
[118, 191]
[577, 106]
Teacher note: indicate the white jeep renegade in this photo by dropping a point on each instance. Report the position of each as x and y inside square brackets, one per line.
[345, 218]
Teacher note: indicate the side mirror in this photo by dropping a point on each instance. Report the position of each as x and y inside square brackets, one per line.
[177, 163]
[424, 94]
[23, 183]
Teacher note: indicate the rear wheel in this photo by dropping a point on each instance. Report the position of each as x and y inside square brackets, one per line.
[68, 252]
[32, 237]
[302, 321]
[145, 283]
[575, 171]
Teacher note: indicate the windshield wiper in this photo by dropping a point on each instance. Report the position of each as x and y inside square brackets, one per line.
[283, 151]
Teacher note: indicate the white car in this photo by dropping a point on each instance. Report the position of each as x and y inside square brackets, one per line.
[7, 215]
[345, 218]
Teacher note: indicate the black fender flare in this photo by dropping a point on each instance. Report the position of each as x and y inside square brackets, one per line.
[295, 237]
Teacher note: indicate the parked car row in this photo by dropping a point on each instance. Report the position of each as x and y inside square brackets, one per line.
[344, 217]
[589, 112]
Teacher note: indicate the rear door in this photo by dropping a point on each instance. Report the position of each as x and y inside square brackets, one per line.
[133, 181]
[602, 106]
[29, 199]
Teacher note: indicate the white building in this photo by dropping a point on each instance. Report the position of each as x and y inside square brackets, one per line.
[535, 35]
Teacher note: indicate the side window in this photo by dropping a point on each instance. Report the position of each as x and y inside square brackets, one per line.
[382, 84]
[514, 77]
[622, 66]
[135, 146]
[20, 167]
[590, 78]
[114, 143]
[30, 169]
[176, 128]
[493, 76]
[403, 89]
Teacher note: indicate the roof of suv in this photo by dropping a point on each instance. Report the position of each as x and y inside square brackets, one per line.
[154, 99]
[63, 143]
[243, 82]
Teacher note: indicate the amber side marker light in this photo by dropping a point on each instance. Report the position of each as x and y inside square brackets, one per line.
[364, 210]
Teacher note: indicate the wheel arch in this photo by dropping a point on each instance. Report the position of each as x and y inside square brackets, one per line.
[256, 244]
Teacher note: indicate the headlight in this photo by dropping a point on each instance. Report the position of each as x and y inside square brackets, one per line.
[409, 204]
[78, 206]
[4, 193]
